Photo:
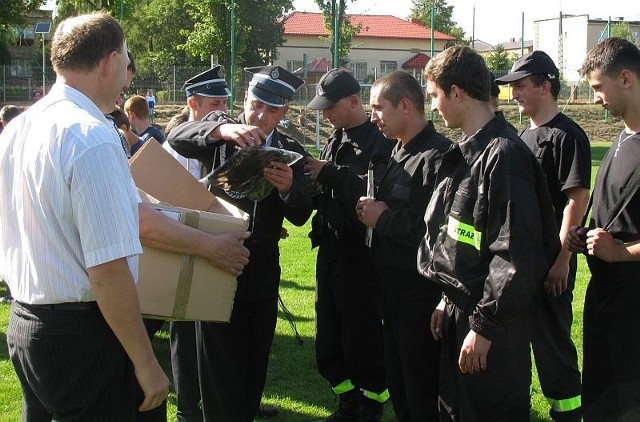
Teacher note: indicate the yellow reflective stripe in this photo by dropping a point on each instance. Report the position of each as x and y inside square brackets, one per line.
[462, 232]
[380, 398]
[343, 387]
[565, 405]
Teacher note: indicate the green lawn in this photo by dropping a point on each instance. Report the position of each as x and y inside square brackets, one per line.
[293, 384]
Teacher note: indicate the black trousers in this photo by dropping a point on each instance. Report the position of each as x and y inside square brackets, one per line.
[411, 354]
[184, 365]
[70, 365]
[555, 354]
[611, 370]
[498, 394]
[233, 359]
[349, 341]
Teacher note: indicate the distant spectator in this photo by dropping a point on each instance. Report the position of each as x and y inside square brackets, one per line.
[151, 102]
[138, 113]
[302, 118]
[7, 113]
[36, 94]
[133, 141]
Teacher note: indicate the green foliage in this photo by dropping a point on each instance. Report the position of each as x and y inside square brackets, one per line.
[121, 9]
[443, 17]
[499, 59]
[623, 30]
[347, 30]
[13, 12]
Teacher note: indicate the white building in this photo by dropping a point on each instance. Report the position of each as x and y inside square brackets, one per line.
[568, 40]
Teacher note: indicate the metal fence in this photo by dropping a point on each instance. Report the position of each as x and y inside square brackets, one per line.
[19, 83]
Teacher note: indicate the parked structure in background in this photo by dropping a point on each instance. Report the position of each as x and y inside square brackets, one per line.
[385, 43]
[579, 34]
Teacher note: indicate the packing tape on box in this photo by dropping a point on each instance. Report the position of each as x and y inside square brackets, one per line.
[183, 291]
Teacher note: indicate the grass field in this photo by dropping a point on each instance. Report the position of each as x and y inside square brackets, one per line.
[293, 384]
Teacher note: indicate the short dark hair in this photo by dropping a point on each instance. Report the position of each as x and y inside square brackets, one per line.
[538, 80]
[9, 112]
[463, 67]
[397, 85]
[132, 62]
[611, 57]
[81, 42]
[120, 117]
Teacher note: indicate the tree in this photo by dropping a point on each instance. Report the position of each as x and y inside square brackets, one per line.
[347, 30]
[499, 59]
[623, 30]
[13, 12]
[443, 18]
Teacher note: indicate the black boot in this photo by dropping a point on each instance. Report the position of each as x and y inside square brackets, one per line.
[348, 409]
[370, 410]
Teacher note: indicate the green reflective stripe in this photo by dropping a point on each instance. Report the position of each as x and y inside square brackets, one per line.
[343, 387]
[380, 398]
[565, 405]
[462, 232]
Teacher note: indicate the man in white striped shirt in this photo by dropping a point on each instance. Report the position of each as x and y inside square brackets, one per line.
[69, 237]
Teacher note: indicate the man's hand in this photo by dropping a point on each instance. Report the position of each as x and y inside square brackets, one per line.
[437, 318]
[227, 252]
[473, 355]
[576, 239]
[313, 167]
[280, 176]
[154, 384]
[602, 244]
[556, 282]
[368, 210]
[242, 135]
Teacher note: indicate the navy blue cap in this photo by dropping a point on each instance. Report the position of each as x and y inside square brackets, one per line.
[208, 84]
[273, 85]
[535, 63]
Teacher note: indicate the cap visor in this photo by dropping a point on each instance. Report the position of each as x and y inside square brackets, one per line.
[320, 103]
[512, 77]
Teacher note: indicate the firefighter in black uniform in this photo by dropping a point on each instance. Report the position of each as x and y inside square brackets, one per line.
[611, 370]
[349, 345]
[233, 358]
[397, 218]
[562, 149]
[491, 238]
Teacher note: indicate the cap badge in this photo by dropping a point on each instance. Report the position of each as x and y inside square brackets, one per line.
[319, 90]
[275, 74]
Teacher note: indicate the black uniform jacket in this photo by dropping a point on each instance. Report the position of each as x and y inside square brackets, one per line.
[491, 233]
[349, 153]
[261, 277]
[406, 187]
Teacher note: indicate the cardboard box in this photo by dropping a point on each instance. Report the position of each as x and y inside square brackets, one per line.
[180, 287]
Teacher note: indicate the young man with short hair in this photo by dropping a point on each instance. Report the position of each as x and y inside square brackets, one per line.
[138, 113]
[610, 371]
[491, 237]
[563, 151]
[396, 215]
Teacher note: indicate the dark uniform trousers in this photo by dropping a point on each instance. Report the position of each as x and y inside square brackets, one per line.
[555, 354]
[237, 352]
[611, 368]
[184, 366]
[75, 368]
[349, 323]
[501, 393]
[411, 359]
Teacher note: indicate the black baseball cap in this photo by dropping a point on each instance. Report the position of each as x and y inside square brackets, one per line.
[334, 85]
[535, 63]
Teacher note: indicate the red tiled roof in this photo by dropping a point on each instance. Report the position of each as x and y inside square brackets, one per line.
[419, 61]
[371, 26]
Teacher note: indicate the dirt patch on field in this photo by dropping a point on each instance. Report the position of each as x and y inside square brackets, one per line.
[590, 117]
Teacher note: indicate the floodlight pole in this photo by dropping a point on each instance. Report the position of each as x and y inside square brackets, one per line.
[44, 89]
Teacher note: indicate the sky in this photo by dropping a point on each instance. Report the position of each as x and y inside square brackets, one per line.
[493, 24]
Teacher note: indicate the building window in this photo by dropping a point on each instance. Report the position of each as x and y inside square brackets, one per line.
[293, 65]
[387, 66]
[359, 70]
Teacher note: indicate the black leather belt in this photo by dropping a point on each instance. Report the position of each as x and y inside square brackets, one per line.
[66, 306]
